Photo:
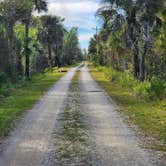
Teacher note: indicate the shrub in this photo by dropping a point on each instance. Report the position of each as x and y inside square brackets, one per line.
[3, 78]
[141, 89]
[126, 80]
[6, 90]
[1, 98]
[157, 90]
[149, 90]
[112, 75]
[39, 64]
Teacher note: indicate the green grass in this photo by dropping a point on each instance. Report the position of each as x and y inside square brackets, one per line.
[22, 98]
[150, 117]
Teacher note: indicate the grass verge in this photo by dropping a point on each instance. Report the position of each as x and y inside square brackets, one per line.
[150, 117]
[22, 98]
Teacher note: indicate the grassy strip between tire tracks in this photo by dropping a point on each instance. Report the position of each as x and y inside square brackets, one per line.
[23, 96]
[150, 117]
[71, 137]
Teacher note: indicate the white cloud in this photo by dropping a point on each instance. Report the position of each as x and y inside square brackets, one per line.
[85, 37]
[77, 13]
[73, 7]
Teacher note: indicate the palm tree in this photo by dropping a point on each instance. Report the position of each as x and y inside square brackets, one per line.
[140, 18]
[71, 48]
[39, 5]
[127, 19]
[106, 14]
[125, 16]
[8, 18]
[148, 18]
[51, 34]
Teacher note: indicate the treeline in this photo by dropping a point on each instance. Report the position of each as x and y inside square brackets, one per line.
[29, 44]
[133, 40]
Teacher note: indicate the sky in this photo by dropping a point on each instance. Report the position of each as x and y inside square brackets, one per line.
[77, 13]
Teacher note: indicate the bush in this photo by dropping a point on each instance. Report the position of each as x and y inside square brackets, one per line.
[39, 64]
[149, 90]
[6, 90]
[157, 90]
[3, 78]
[126, 80]
[112, 75]
[141, 89]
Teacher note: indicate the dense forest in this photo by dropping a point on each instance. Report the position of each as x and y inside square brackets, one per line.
[132, 41]
[29, 44]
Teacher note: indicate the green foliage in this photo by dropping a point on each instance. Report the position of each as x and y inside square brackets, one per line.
[31, 43]
[141, 89]
[6, 90]
[71, 50]
[149, 90]
[157, 90]
[40, 63]
[132, 41]
[3, 78]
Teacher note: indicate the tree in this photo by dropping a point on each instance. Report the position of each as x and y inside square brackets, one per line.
[71, 49]
[148, 20]
[9, 17]
[51, 34]
[138, 18]
[92, 50]
[127, 18]
[4, 52]
[27, 8]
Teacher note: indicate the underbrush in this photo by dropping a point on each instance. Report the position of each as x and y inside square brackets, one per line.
[149, 90]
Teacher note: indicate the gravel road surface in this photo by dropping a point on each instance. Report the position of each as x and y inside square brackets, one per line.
[28, 142]
[110, 142]
[113, 142]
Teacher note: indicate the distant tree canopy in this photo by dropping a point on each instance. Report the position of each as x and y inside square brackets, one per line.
[29, 43]
[132, 37]
[71, 50]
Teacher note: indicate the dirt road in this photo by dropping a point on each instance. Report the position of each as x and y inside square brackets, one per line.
[114, 143]
[28, 142]
[109, 141]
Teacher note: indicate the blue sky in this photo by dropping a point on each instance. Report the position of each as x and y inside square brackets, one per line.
[77, 13]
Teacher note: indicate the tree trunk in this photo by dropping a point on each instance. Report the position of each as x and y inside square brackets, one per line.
[11, 47]
[50, 55]
[142, 62]
[135, 50]
[4, 53]
[136, 58]
[136, 65]
[57, 58]
[146, 39]
[19, 65]
[27, 73]
[134, 41]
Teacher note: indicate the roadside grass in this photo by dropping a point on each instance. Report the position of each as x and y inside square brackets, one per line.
[150, 117]
[23, 96]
